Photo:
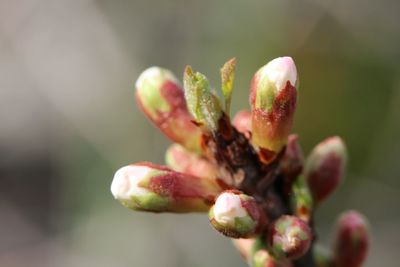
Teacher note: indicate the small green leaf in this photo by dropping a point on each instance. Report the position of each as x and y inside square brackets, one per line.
[203, 104]
[227, 78]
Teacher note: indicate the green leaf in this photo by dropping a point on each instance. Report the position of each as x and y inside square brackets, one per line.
[193, 88]
[203, 104]
[227, 78]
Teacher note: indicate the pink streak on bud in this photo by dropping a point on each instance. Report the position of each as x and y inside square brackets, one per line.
[271, 129]
[178, 185]
[176, 123]
[185, 192]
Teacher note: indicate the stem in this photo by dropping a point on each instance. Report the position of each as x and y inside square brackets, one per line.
[237, 159]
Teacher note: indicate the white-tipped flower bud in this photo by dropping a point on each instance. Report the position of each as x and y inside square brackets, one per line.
[273, 96]
[150, 187]
[161, 99]
[126, 182]
[279, 71]
[227, 208]
[237, 215]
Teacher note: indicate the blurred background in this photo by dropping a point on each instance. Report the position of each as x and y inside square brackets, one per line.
[68, 118]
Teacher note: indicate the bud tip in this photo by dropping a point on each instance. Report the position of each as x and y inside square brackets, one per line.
[279, 71]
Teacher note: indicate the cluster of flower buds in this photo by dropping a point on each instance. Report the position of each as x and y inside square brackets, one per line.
[250, 174]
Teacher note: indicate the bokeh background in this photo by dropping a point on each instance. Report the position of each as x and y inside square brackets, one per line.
[68, 118]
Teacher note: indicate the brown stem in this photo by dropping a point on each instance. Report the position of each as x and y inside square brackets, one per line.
[240, 164]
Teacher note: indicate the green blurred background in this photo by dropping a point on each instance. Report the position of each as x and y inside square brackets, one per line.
[69, 119]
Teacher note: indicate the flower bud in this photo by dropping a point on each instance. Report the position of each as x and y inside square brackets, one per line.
[203, 104]
[290, 237]
[302, 200]
[293, 159]
[162, 100]
[149, 187]
[273, 101]
[262, 258]
[181, 160]
[242, 122]
[324, 168]
[352, 240]
[237, 215]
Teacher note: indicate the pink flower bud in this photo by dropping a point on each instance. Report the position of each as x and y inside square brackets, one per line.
[242, 122]
[293, 159]
[181, 160]
[291, 164]
[149, 187]
[325, 167]
[162, 100]
[273, 101]
[290, 237]
[352, 240]
[237, 215]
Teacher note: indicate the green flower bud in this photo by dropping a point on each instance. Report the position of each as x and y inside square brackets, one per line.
[149, 187]
[352, 240]
[273, 97]
[324, 168]
[162, 100]
[237, 215]
[290, 237]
